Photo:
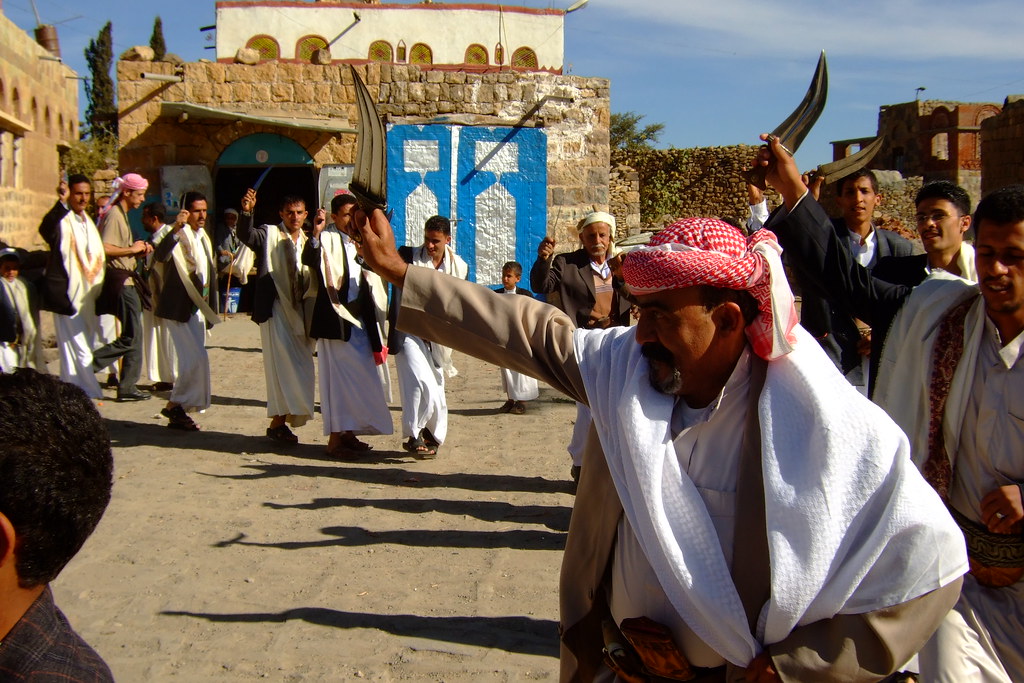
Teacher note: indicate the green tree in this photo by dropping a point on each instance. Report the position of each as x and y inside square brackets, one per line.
[156, 41]
[101, 114]
[628, 137]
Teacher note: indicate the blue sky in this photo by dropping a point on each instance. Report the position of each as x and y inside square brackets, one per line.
[715, 73]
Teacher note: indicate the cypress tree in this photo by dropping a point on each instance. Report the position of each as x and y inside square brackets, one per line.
[101, 114]
[156, 41]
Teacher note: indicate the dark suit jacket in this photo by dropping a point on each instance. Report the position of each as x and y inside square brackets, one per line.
[571, 276]
[821, 260]
[833, 327]
[519, 290]
[902, 270]
[265, 293]
[325, 322]
[174, 302]
[54, 289]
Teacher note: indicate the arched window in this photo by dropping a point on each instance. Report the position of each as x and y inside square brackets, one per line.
[400, 50]
[524, 58]
[48, 123]
[421, 54]
[60, 125]
[380, 51]
[3, 95]
[305, 48]
[499, 54]
[476, 54]
[940, 146]
[16, 103]
[266, 46]
[35, 115]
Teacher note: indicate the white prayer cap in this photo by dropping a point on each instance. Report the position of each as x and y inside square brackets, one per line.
[597, 217]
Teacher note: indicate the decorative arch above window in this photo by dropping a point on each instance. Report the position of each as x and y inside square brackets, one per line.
[524, 58]
[421, 54]
[266, 46]
[476, 54]
[307, 45]
[380, 51]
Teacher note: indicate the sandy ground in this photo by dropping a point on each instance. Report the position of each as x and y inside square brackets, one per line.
[225, 557]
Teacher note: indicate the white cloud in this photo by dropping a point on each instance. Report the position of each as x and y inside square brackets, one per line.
[893, 29]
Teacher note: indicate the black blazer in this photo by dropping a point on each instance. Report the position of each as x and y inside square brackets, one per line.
[834, 328]
[325, 323]
[519, 290]
[571, 276]
[817, 255]
[54, 287]
[174, 302]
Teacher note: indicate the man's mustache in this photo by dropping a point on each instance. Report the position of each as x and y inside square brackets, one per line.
[656, 352]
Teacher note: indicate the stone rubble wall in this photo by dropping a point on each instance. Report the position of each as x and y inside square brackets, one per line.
[574, 112]
[1002, 146]
[624, 194]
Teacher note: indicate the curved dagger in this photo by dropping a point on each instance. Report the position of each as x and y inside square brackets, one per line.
[835, 170]
[797, 125]
[369, 179]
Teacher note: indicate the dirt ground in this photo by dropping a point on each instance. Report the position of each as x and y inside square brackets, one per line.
[225, 557]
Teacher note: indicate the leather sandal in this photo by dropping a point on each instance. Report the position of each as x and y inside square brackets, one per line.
[282, 433]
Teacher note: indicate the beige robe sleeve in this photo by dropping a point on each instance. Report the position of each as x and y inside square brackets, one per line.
[515, 332]
[863, 647]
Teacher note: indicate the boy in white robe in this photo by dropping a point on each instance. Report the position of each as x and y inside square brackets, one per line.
[161, 360]
[19, 317]
[518, 387]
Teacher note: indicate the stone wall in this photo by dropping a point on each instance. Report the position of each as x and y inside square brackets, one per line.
[1002, 146]
[573, 111]
[702, 181]
[624, 196]
[38, 114]
[708, 181]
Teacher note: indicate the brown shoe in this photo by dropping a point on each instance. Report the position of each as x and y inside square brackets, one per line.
[518, 408]
[507, 406]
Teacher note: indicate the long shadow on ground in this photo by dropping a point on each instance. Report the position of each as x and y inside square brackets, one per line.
[521, 635]
[353, 536]
[410, 478]
[555, 517]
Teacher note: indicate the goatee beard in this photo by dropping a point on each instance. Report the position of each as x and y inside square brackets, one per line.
[658, 356]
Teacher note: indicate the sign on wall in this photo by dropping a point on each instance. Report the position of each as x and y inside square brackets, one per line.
[491, 182]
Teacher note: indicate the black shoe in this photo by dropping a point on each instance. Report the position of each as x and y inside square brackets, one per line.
[136, 395]
[112, 382]
[163, 386]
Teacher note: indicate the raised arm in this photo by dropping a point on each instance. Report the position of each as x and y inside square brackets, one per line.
[249, 234]
[545, 275]
[814, 249]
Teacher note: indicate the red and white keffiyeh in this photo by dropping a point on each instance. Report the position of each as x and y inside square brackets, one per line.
[707, 251]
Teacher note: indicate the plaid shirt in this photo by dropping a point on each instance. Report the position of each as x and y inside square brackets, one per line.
[42, 647]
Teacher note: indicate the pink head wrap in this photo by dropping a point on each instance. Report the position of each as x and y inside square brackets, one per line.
[708, 251]
[129, 181]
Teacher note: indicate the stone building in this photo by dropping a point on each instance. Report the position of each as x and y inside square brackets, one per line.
[509, 153]
[464, 35]
[1002, 146]
[38, 116]
[932, 139]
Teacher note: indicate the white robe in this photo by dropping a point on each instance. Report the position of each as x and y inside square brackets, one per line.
[287, 349]
[421, 388]
[192, 254]
[847, 512]
[81, 250]
[29, 352]
[516, 385]
[984, 438]
[351, 392]
[157, 346]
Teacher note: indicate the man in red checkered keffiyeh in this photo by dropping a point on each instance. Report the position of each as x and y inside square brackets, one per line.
[707, 251]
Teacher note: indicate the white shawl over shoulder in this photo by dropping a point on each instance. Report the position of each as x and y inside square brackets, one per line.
[852, 526]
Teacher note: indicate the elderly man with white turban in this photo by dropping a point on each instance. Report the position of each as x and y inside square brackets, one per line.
[750, 516]
[586, 291]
